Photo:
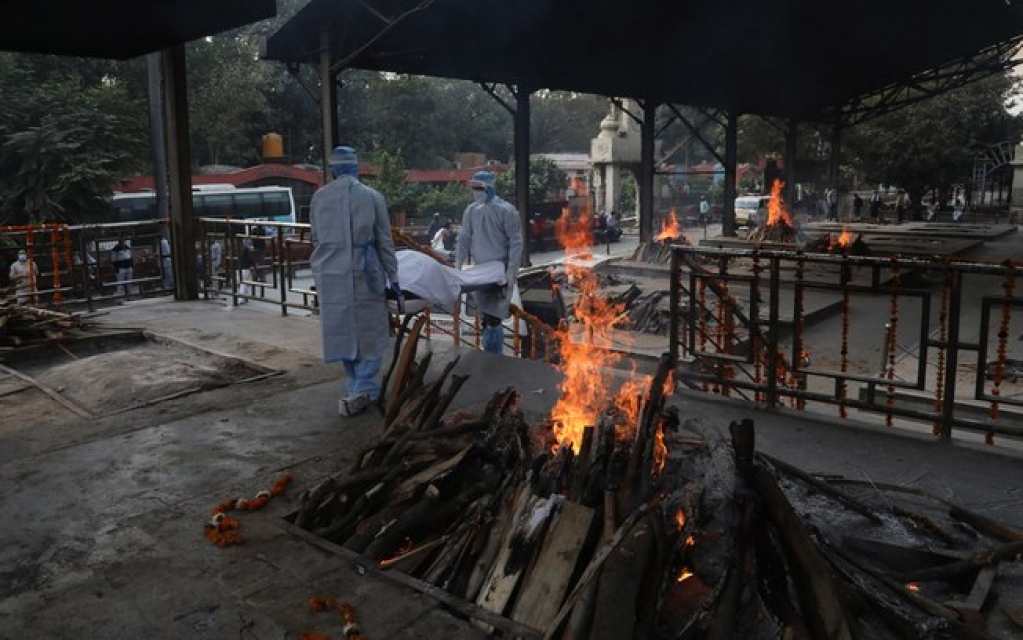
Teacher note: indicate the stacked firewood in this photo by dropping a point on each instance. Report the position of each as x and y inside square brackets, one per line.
[831, 244]
[643, 312]
[777, 233]
[657, 251]
[23, 324]
[653, 529]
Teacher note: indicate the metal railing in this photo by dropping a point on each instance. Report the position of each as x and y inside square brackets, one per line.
[777, 326]
[76, 270]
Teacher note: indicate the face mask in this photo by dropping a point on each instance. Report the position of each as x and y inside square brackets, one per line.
[22, 257]
[479, 196]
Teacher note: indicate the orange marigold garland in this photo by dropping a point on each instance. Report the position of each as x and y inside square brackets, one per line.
[350, 625]
[223, 530]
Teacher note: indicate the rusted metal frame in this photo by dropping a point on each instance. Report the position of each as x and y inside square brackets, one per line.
[952, 361]
[987, 303]
[697, 131]
[774, 311]
[389, 23]
[674, 306]
[991, 61]
[905, 264]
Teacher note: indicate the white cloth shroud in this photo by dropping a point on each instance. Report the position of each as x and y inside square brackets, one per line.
[427, 278]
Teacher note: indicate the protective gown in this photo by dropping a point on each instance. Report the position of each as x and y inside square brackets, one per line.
[491, 231]
[352, 254]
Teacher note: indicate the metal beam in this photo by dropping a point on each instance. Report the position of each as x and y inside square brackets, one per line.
[179, 169]
[328, 103]
[646, 172]
[522, 118]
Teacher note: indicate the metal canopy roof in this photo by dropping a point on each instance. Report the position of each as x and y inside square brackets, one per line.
[790, 58]
[119, 29]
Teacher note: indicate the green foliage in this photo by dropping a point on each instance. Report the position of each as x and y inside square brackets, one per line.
[545, 180]
[390, 182]
[450, 202]
[68, 130]
[933, 144]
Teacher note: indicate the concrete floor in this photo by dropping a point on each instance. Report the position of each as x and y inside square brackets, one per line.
[102, 518]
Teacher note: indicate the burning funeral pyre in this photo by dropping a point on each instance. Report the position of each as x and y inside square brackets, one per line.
[658, 250]
[618, 517]
[846, 243]
[779, 227]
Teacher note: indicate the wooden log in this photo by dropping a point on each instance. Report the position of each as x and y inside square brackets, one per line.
[429, 510]
[629, 494]
[581, 467]
[514, 501]
[828, 490]
[545, 588]
[312, 499]
[429, 475]
[825, 613]
[986, 525]
[516, 553]
[433, 421]
[405, 361]
[960, 568]
[586, 585]
[619, 585]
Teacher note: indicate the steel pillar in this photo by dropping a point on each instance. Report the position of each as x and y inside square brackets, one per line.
[731, 155]
[328, 103]
[646, 172]
[522, 118]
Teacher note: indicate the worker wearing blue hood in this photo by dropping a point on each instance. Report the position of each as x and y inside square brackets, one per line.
[353, 259]
[491, 230]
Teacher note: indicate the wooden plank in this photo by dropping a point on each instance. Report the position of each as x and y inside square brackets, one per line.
[408, 353]
[503, 578]
[545, 588]
[409, 486]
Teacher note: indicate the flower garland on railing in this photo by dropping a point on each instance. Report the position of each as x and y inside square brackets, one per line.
[893, 327]
[225, 531]
[756, 344]
[350, 628]
[1009, 286]
[843, 387]
[797, 333]
[939, 379]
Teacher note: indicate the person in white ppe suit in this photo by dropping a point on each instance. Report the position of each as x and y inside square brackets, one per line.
[491, 230]
[353, 259]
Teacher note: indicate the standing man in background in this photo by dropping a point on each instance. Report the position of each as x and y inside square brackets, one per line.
[166, 265]
[491, 230]
[23, 275]
[353, 255]
[124, 265]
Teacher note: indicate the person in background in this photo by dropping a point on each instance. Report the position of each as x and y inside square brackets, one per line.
[491, 230]
[957, 209]
[216, 261]
[124, 265]
[435, 226]
[875, 205]
[245, 264]
[23, 275]
[902, 203]
[857, 205]
[353, 254]
[166, 265]
[440, 242]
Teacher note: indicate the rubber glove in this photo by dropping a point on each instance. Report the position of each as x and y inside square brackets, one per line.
[396, 290]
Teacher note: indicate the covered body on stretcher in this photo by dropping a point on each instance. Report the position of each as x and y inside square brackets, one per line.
[426, 282]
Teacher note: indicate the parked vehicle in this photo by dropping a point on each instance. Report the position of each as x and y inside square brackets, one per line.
[751, 211]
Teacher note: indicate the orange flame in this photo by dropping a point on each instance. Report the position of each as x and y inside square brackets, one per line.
[585, 344]
[660, 450]
[670, 228]
[912, 586]
[685, 574]
[630, 399]
[776, 213]
[680, 519]
[845, 239]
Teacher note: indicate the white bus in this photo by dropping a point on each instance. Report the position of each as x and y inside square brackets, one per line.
[213, 201]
